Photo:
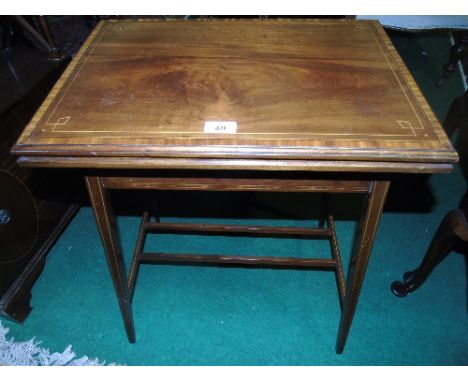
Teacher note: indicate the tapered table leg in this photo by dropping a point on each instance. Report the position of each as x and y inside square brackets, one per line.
[363, 246]
[107, 228]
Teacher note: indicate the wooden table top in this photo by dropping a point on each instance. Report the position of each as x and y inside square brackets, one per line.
[322, 95]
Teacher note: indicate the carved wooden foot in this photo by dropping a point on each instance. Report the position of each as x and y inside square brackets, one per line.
[452, 229]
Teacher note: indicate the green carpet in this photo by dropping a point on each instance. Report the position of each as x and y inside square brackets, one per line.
[188, 315]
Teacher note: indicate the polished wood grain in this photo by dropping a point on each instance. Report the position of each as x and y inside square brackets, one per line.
[135, 265]
[232, 164]
[360, 258]
[100, 201]
[226, 229]
[245, 260]
[236, 184]
[320, 106]
[298, 89]
[335, 250]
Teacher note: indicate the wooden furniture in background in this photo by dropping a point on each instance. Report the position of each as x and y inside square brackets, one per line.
[34, 206]
[318, 105]
[458, 53]
[452, 233]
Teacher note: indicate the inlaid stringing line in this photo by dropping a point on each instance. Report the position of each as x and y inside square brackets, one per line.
[81, 62]
[398, 79]
[407, 126]
[390, 48]
[30, 129]
[422, 103]
[217, 138]
[287, 136]
[102, 31]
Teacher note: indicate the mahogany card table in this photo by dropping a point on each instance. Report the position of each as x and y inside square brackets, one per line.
[279, 105]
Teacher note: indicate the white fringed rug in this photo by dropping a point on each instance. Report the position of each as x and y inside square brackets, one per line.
[29, 353]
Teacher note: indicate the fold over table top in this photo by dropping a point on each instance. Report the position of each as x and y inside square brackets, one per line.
[327, 95]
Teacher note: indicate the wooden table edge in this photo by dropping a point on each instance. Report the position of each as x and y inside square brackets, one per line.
[132, 163]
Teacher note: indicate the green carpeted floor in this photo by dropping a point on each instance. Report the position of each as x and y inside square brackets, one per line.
[188, 315]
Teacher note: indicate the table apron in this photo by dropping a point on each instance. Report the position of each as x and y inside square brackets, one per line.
[237, 184]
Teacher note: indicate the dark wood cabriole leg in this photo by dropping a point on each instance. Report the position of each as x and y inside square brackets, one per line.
[362, 249]
[451, 232]
[100, 201]
[457, 114]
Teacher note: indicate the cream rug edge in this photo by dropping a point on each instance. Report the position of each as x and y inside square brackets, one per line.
[29, 353]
